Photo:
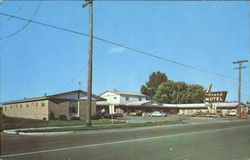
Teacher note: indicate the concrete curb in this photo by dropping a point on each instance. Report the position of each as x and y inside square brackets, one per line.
[15, 131]
[45, 133]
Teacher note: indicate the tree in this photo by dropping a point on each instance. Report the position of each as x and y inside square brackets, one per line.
[155, 80]
[179, 92]
[164, 92]
[196, 93]
[160, 89]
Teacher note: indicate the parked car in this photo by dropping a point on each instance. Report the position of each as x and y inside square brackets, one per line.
[100, 115]
[136, 113]
[106, 115]
[132, 113]
[118, 115]
[157, 114]
[232, 113]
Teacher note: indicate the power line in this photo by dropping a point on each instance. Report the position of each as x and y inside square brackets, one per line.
[9, 18]
[44, 24]
[123, 46]
[24, 26]
[75, 77]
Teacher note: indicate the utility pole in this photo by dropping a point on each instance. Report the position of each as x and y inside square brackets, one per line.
[239, 88]
[89, 94]
[79, 83]
[78, 100]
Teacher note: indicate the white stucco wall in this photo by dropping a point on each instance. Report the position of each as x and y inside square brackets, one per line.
[111, 98]
[114, 98]
[131, 98]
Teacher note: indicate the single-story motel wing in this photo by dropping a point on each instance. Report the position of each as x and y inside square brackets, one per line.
[73, 104]
[127, 102]
[181, 109]
[69, 104]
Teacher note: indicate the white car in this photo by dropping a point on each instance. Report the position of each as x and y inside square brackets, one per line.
[232, 113]
[157, 114]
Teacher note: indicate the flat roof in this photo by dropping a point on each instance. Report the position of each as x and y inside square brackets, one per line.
[201, 105]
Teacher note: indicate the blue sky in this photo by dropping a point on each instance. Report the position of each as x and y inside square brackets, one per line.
[205, 34]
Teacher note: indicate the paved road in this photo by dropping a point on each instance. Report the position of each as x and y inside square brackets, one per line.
[229, 141]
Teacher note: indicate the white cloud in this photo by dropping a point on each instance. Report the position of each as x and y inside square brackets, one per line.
[117, 50]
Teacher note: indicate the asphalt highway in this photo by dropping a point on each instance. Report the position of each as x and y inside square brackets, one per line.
[213, 141]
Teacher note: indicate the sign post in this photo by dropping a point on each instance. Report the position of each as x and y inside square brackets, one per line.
[111, 111]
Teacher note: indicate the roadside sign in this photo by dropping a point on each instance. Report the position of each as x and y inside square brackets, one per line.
[219, 96]
[111, 109]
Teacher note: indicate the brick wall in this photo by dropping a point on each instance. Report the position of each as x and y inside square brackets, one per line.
[42, 109]
[59, 107]
[31, 110]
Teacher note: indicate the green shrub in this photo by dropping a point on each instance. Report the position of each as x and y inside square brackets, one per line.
[75, 118]
[52, 116]
[62, 117]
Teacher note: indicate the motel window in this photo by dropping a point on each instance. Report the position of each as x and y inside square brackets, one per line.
[27, 105]
[43, 105]
[21, 106]
[10, 107]
[140, 99]
[127, 98]
[5, 108]
[36, 104]
[114, 97]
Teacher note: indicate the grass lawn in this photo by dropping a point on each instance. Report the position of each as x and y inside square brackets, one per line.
[231, 118]
[14, 123]
[108, 126]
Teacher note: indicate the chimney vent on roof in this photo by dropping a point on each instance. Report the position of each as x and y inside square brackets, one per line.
[45, 94]
[24, 97]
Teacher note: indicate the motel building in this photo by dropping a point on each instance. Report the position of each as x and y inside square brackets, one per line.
[70, 104]
[128, 102]
[73, 104]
